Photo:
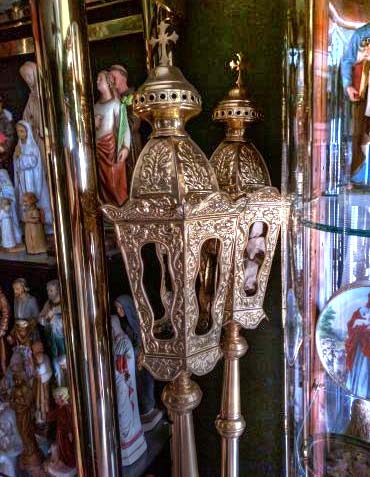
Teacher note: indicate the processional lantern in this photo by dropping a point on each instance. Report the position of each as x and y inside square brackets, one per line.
[177, 217]
[242, 172]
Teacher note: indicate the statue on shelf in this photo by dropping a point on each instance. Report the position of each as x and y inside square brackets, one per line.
[29, 175]
[7, 136]
[355, 78]
[62, 462]
[10, 441]
[9, 231]
[34, 234]
[128, 120]
[7, 192]
[132, 440]
[43, 375]
[111, 167]
[149, 414]
[51, 319]
[4, 323]
[32, 111]
[21, 400]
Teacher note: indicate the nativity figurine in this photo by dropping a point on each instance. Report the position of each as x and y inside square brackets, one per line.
[34, 234]
[9, 231]
[43, 375]
[111, 167]
[7, 192]
[29, 173]
[10, 441]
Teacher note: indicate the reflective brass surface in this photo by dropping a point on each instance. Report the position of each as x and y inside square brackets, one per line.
[97, 31]
[60, 34]
[175, 204]
[242, 172]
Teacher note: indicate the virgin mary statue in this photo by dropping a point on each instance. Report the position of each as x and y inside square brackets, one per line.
[29, 174]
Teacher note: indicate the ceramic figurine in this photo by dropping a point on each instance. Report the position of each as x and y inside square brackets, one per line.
[29, 173]
[7, 136]
[51, 319]
[7, 192]
[128, 120]
[25, 305]
[112, 170]
[62, 462]
[254, 256]
[21, 400]
[43, 375]
[8, 228]
[4, 323]
[34, 234]
[32, 111]
[149, 414]
[10, 441]
[132, 440]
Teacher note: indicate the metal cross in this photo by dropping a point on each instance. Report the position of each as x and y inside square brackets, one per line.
[162, 41]
[239, 65]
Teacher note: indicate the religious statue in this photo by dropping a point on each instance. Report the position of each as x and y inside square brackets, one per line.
[149, 414]
[7, 192]
[10, 441]
[62, 462]
[355, 77]
[4, 323]
[9, 229]
[254, 256]
[43, 375]
[29, 175]
[51, 319]
[32, 111]
[358, 352]
[21, 400]
[7, 136]
[111, 166]
[359, 425]
[129, 123]
[34, 235]
[132, 440]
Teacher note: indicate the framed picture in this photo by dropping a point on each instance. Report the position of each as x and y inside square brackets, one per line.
[343, 339]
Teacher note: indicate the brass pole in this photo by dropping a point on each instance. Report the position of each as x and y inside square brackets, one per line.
[60, 34]
[181, 397]
[230, 423]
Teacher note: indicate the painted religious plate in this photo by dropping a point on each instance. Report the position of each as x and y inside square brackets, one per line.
[343, 339]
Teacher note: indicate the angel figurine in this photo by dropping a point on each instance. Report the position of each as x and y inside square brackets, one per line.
[29, 174]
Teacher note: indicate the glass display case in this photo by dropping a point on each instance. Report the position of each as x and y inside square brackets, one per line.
[326, 238]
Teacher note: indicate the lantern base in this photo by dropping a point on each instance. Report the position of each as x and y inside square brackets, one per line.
[230, 423]
[180, 397]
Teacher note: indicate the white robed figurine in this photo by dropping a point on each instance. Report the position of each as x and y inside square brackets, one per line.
[132, 440]
[29, 174]
[7, 192]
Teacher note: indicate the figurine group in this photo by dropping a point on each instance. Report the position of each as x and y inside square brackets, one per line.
[33, 387]
[24, 202]
[118, 142]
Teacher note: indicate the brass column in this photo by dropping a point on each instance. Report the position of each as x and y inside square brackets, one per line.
[60, 34]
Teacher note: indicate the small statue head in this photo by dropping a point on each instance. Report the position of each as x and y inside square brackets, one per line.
[38, 351]
[61, 396]
[21, 131]
[20, 287]
[29, 199]
[52, 288]
[105, 83]
[28, 71]
[5, 204]
[119, 78]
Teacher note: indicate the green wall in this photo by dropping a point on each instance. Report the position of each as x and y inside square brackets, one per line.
[214, 30]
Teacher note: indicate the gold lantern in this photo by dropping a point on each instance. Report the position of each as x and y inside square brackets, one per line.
[241, 171]
[176, 216]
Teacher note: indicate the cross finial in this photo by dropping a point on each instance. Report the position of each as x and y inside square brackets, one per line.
[240, 65]
[162, 41]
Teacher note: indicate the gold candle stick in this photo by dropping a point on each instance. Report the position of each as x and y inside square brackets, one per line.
[176, 213]
[242, 172]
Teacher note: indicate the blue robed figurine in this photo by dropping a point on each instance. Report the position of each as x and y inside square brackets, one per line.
[355, 78]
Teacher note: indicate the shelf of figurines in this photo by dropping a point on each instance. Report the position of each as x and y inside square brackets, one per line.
[346, 213]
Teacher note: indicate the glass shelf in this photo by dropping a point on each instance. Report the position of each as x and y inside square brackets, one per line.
[347, 213]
